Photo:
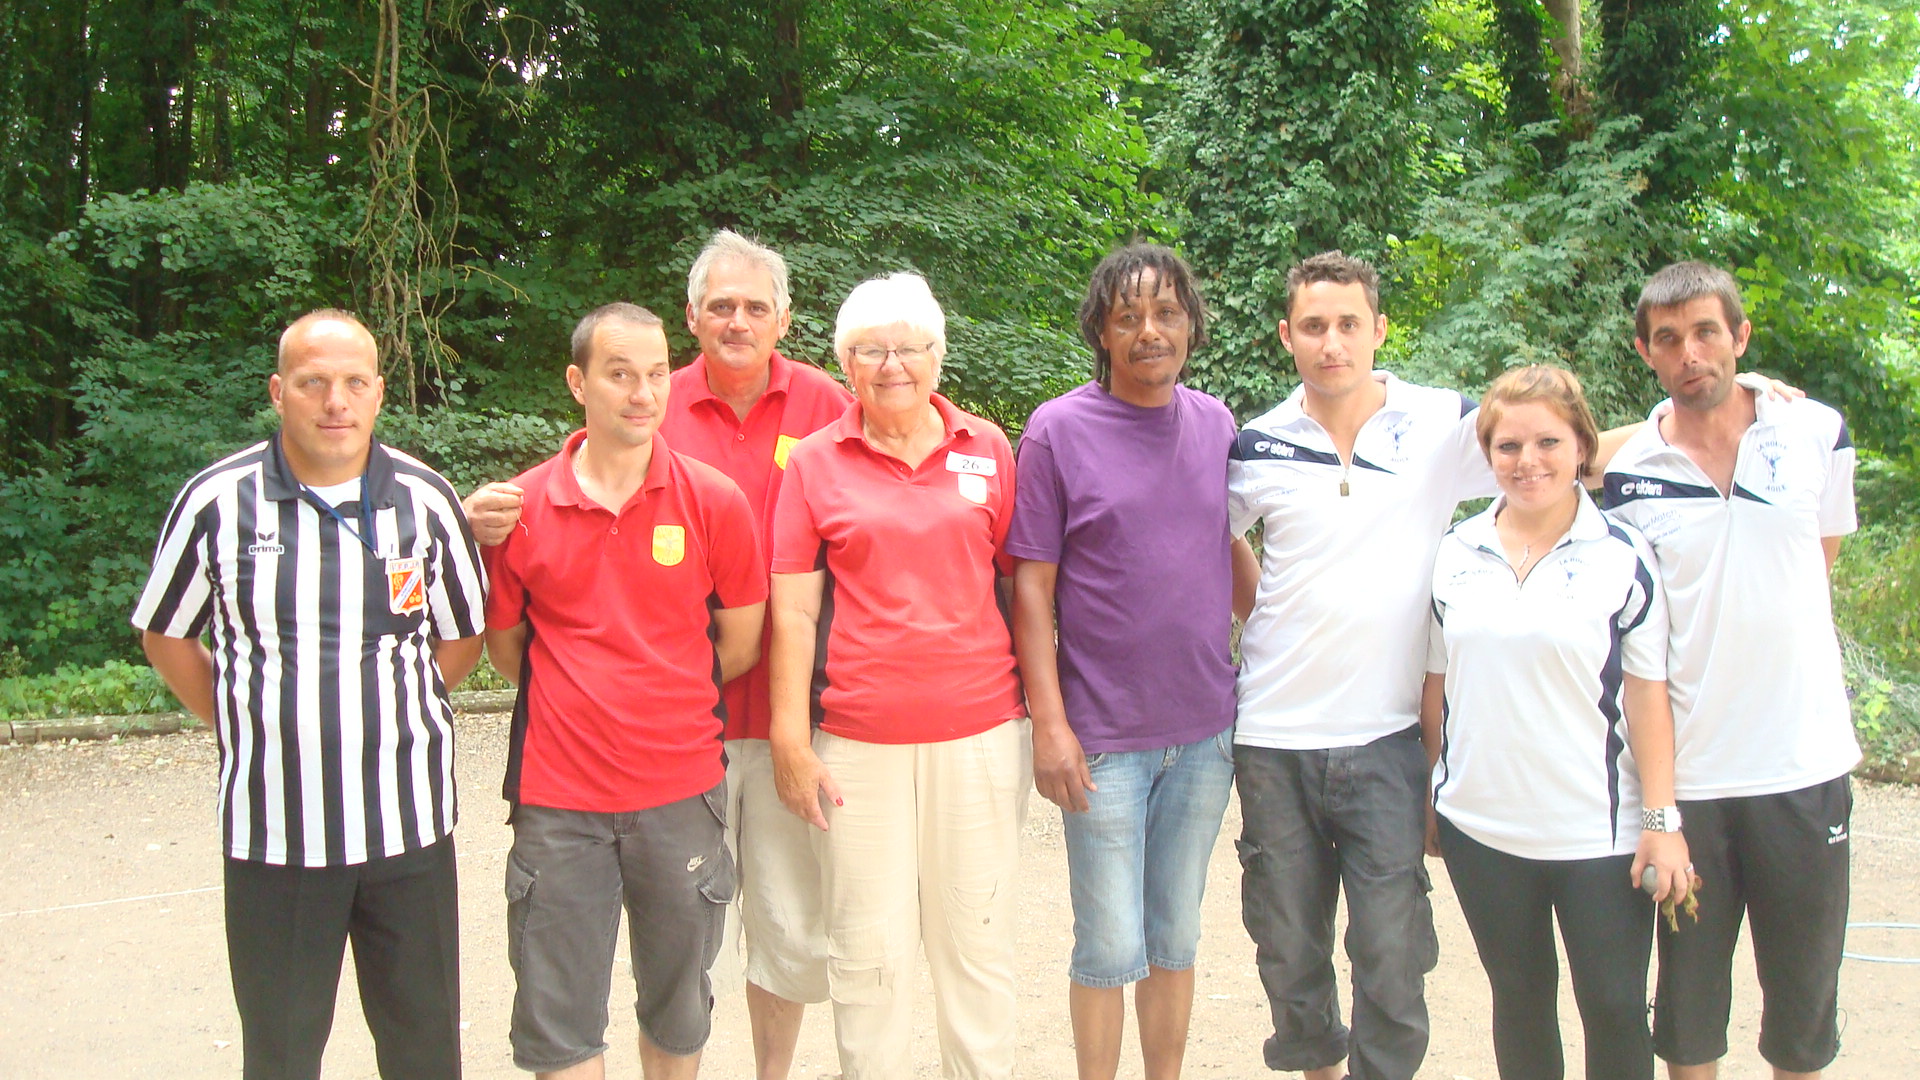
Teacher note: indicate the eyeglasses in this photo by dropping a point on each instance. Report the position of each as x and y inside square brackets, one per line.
[875, 355]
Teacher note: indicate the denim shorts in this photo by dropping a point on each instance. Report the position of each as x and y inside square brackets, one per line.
[1137, 858]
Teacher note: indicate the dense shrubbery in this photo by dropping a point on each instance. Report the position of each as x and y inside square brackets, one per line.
[110, 689]
[175, 187]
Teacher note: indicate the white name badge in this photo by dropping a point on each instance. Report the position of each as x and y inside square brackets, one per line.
[973, 488]
[970, 465]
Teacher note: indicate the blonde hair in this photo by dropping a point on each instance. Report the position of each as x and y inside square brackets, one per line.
[1557, 388]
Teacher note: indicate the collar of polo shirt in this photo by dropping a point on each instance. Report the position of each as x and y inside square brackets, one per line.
[278, 482]
[955, 421]
[779, 379]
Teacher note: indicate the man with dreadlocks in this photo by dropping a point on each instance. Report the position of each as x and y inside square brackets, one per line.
[1120, 534]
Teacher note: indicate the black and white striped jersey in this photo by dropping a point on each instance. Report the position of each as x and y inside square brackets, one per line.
[336, 737]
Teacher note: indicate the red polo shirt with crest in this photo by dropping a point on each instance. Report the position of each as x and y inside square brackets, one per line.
[918, 650]
[800, 399]
[619, 693]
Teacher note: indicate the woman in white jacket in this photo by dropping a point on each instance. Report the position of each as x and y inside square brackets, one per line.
[1547, 718]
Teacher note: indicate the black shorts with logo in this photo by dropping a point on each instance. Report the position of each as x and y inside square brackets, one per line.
[1780, 860]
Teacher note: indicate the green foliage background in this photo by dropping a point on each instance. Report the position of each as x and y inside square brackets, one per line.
[178, 178]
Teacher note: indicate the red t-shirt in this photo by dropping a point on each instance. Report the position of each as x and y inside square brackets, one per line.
[918, 651]
[620, 672]
[800, 399]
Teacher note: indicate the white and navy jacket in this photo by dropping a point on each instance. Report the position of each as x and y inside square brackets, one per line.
[1759, 702]
[1535, 758]
[1335, 649]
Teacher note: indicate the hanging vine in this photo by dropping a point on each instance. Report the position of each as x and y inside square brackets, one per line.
[406, 241]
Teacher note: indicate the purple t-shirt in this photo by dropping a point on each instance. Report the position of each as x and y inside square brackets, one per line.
[1131, 503]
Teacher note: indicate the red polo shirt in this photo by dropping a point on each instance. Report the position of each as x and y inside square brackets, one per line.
[619, 670]
[918, 651]
[800, 399]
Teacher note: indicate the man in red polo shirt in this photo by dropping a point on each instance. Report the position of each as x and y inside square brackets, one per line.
[632, 585]
[740, 407]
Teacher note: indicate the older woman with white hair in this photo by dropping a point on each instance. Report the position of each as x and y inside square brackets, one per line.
[918, 770]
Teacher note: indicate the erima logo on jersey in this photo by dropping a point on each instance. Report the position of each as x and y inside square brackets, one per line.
[1837, 833]
[266, 543]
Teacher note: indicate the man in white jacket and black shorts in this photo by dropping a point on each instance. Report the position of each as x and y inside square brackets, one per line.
[1744, 500]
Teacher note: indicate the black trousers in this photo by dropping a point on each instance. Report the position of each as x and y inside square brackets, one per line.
[287, 929]
[1607, 926]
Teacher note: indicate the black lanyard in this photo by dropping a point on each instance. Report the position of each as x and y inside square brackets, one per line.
[364, 532]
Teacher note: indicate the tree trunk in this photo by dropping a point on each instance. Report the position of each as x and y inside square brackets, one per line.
[220, 135]
[790, 88]
[1523, 62]
[1566, 44]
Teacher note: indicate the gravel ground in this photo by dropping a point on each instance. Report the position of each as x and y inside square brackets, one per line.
[111, 939]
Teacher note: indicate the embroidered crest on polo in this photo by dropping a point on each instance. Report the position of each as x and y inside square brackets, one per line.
[669, 544]
[406, 585]
[969, 465]
[973, 486]
[781, 448]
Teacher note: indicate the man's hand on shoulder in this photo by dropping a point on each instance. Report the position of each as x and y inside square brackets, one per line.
[492, 511]
[1773, 388]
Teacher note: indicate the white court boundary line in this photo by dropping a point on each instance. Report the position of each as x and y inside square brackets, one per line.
[1884, 836]
[104, 903]
[169, 895]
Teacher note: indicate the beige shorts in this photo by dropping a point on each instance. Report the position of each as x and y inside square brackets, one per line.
[778, 901]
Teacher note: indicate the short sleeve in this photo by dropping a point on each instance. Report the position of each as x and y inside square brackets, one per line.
[1009, 500]
[733, 552]
[1040, 506]
[178, 598]
[795, 536]
[1837, 514]
[1243, 507]
[1643, 618]
[1473, 477]
[507, 598]
[1436, 639]
[457, 592]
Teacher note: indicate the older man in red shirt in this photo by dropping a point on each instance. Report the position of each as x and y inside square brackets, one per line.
[740, 406]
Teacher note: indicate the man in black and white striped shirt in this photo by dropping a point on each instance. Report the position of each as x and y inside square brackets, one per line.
[344, 595]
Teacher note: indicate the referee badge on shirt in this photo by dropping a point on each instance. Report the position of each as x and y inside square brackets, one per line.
[669, 544]
[781, 448]
[406, 585]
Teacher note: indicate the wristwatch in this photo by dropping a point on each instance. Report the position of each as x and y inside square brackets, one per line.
[1660, 818]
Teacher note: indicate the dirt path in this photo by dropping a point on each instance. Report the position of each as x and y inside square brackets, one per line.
[114, 959]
